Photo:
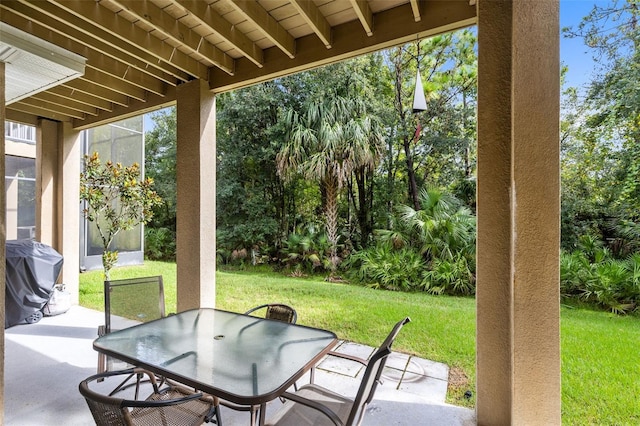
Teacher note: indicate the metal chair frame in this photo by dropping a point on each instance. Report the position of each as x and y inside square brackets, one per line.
[109, 287]
[352, 409]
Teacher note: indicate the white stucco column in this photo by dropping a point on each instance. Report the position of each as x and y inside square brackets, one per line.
[196, 195]
[47, 142]
[68, 202]
[518, 321]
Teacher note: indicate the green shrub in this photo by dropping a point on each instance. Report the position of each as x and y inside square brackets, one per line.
[306, 251]
[450, 277]
[575, 272]
[604, 287]
[385, 267]
[159, 244]
[432, 249]
[598, 279]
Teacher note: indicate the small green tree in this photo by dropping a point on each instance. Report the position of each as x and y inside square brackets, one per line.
[117, 199]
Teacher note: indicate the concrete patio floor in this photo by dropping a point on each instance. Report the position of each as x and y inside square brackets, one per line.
[44, 362]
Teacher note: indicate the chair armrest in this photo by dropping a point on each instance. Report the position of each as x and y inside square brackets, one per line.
[172, 388]
[312, 372]
[348, 357]
[255, 308]
[163, 403]
[315, 405]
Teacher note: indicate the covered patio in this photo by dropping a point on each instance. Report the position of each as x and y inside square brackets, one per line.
[46, 361]
[144, 55]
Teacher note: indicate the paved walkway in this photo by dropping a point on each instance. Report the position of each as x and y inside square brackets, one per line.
[44, 362]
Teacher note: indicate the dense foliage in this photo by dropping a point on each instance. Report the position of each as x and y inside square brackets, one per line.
[600, 164]
[613, 284]
[314, 167]
[430, 249]
[331, 172]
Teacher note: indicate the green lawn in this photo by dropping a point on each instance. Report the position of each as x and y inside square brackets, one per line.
[600, 368]
[600, 351]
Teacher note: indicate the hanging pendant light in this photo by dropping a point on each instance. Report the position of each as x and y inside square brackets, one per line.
[419, 101]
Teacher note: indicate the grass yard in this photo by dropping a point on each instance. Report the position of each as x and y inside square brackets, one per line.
[600, 351]
[600, 368]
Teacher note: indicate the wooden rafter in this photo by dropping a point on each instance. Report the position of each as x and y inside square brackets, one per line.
[365, 15]
[50, 107]
[209, 18]
[107, 81]
[36, 111]
[252, 11]
[65, 102]
[415, 7]
[96, 21]
[171, 28]
[98, 91]
[48, 28]
[310, 12]
[71, 94]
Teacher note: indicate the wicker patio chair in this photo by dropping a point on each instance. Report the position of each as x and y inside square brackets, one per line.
[277, 311]
[170, 405]
[317, 406]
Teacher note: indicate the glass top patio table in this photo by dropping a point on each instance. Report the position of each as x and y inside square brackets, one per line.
[243, 359]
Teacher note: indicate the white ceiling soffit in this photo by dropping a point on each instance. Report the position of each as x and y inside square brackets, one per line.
[33, 64]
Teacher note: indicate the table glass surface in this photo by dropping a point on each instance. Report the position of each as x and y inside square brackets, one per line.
[238, 357]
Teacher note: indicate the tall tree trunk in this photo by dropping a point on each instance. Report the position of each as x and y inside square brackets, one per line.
[390, 180]
[280, 204]
[364, 184]
[467, 149]
[331, 217]
[411, 174]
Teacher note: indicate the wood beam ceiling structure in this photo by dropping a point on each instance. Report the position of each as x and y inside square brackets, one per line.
[138, 51]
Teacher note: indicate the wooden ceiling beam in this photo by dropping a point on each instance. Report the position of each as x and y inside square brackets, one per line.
[81, 97]
[20, 111]
[255, 13]
[54, 30]
[100, 78]
[127, 73]
[393, 27]
[51, 108]
[135, 108]
[100, 92]
[174, 29]
[98, 21]
[415, 7]
[210, 19]
[316, 20]
[365, 15]
[64, 102]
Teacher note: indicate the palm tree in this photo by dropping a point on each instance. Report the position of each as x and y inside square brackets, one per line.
[330, 140]
[443, 227]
